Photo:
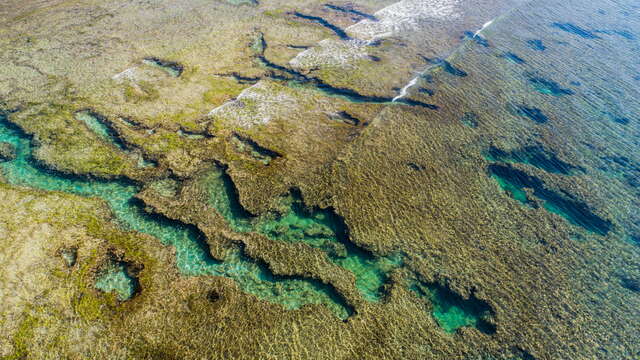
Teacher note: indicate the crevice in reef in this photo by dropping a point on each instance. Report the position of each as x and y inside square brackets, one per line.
[247, 146]
[514, 181]
[102, 127]
[445, 66]
[194, 135]
[240, 79]
[336, 30]
[548, 87]
[531, 113]
[451, 311]
[170, 67]
[470, 119]
[294, 222]
[534, 155]
[349, 10]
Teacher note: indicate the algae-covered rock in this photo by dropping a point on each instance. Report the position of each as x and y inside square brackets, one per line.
[7, 151]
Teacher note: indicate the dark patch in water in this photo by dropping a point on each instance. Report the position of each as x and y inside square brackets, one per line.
[339, 32]
[349, 10]
[622, 33]
[576, 30]
[172, 67]
[533, 155]
[522, 354]
[549, 87]
[531, 113]
[622, 165]
[300, 47]
[449, 68]
[470, 119]
[451, 311]
[245, 145]
[374, 58]
[536, 45]
[213, 296]
[446, 66]
[577, 213]
[345, 117]
[630, 284]
[428, 78]
[415, 166]
[617, 119]
[477, 39]
[429, 92]
[513, 58]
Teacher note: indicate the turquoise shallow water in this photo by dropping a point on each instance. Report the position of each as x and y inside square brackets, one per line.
[193, 256]
[319, 228]
[451, 311]
[115, 278]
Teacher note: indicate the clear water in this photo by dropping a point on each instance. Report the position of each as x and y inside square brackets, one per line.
[193, 257]
[99, 127]
[171, 68]
[451, 311]
[115, 278]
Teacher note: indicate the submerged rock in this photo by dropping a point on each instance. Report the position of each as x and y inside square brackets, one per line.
[7, 151]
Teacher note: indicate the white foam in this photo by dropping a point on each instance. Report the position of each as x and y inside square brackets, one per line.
[403, 16]
[486, 25]
[405, 89]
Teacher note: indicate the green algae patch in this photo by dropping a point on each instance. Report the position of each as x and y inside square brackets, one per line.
[172, 68]
[451, 311]
[141, 91]
[221, 90]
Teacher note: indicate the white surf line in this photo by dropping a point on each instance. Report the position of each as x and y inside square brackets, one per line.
[486, 25]
[405, 89]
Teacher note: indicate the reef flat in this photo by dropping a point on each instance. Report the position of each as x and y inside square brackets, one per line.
[414, 179]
